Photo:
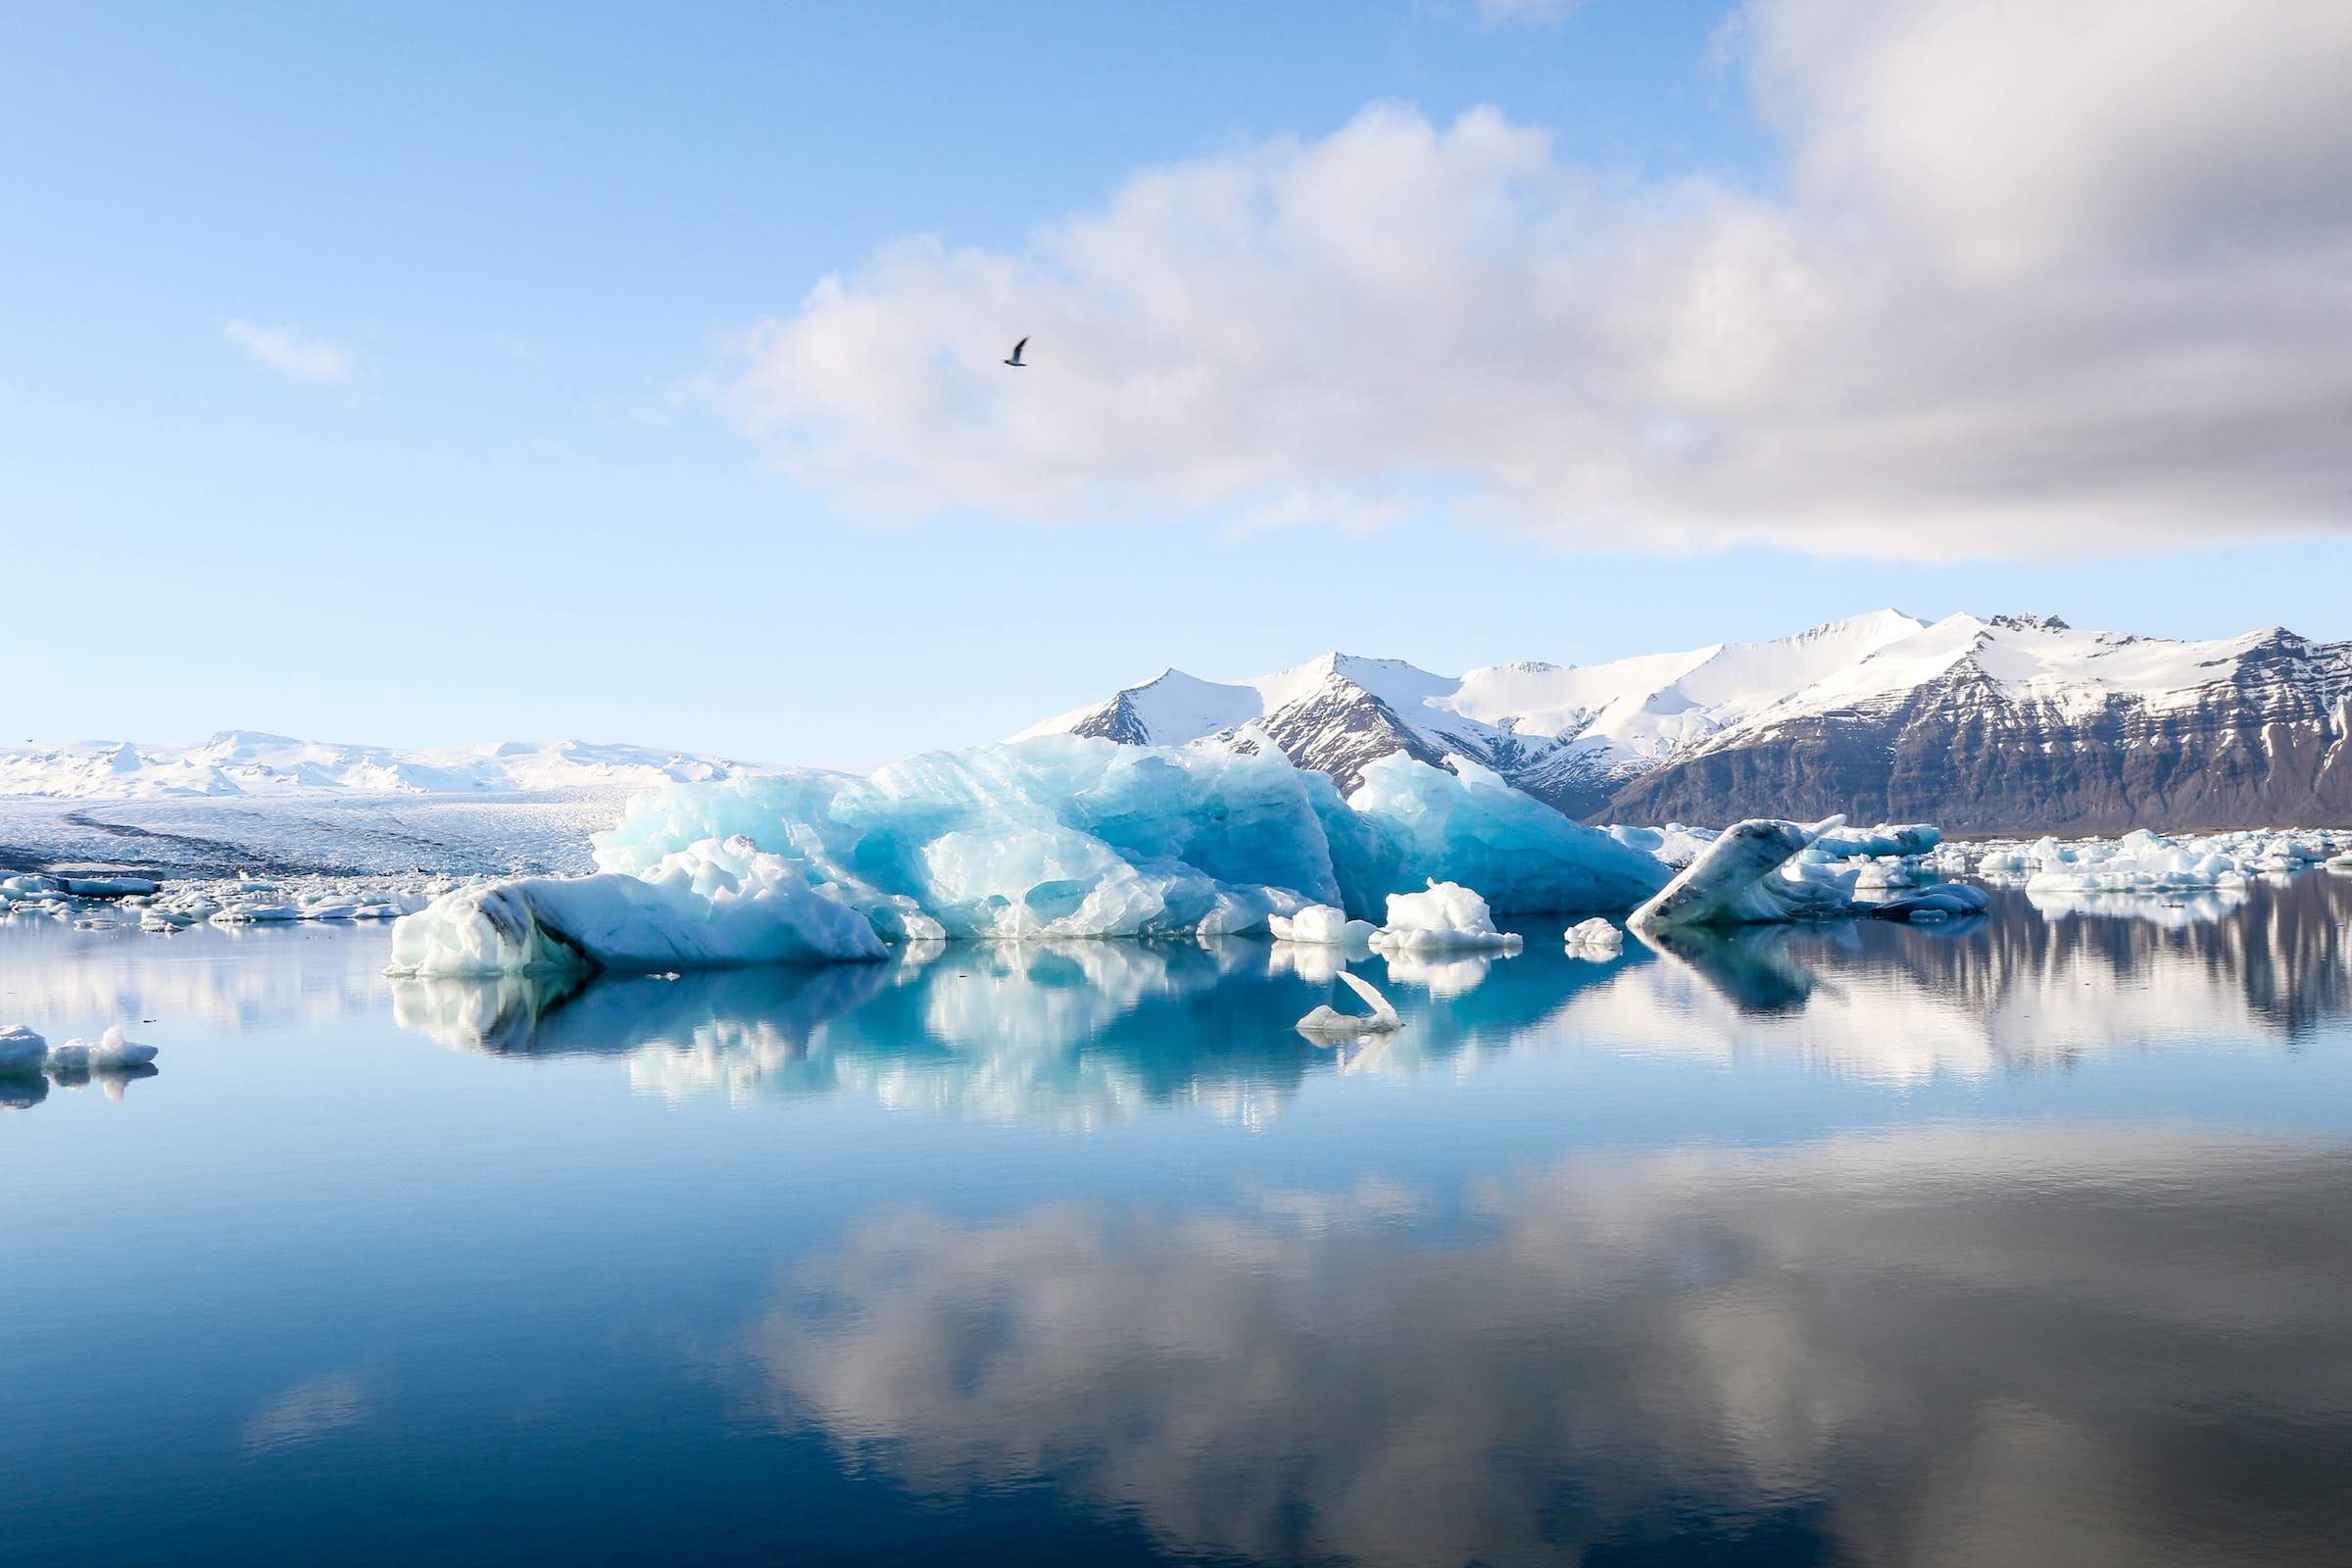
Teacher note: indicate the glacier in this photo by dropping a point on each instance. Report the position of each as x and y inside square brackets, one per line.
[1055, 837]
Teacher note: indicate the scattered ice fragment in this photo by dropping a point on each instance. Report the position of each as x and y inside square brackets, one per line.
[21, 1050]
[1941, 901]
[1446, 916]
[112, 1051]
[1322, 923]
[1329, 1020]
[1594, 939]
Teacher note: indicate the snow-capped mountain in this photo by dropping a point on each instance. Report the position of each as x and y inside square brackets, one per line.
[2012, 724]
[237, 762]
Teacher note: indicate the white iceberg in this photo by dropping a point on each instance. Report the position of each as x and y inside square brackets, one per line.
[1323, 924]
[1594, 939]
[708, 905]
[1329, 1020]
[2141, 862]
[1447, 917]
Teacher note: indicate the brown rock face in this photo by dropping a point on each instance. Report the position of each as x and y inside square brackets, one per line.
[2268, 742]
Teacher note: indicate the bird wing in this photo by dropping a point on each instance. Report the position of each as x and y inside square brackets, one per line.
[1018, 347]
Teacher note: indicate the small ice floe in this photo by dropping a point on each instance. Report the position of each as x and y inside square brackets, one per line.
[1594, 939]
[109, 887]
[112, 1054]
[1328, 1021]
[257, 913]
[1447, 917]
[1943, 902]
[1321, 924]
[22, 1051]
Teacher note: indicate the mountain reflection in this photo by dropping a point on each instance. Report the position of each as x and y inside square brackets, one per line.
[1076, 1034]
[2053, 1344]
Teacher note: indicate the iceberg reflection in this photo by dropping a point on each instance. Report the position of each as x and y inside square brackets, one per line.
[1074, 1034]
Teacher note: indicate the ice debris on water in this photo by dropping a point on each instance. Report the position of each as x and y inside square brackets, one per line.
[20, 1050]
[1943, 902]
[1594, 939]
[1329, 1020]
[2146, 862]
[23, 1054]
[1447, 917]
[1325, 924]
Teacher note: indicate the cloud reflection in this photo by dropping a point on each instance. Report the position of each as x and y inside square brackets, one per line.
[2071, 1345]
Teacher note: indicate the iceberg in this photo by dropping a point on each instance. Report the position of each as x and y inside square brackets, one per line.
[709, 906]
[1056, 837]
[1594, 939]
[1751, 875]
[22, 1051]
[1322, 923]
[1942, 901]
[1329, 1020]
[1447, 917]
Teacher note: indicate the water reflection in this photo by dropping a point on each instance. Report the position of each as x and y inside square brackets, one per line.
[1960, 1346]
[1077, 1033]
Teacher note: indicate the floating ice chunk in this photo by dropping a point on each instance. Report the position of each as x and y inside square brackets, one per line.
[1446, 916]
[1844, 843]
[707, 906]
[257, 913]
[2138, 861]
[1751, 876]
[1329, 1020]
[1594, 939]
[1321, 924]
[20, 1050]
[114, 1052]
[109, 887]
[1942, 901]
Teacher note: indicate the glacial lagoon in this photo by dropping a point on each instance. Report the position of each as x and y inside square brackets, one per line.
[2025, 1238]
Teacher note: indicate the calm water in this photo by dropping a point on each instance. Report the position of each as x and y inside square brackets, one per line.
[2023, 1241]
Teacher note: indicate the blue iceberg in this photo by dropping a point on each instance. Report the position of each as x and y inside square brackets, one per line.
[1055, 837]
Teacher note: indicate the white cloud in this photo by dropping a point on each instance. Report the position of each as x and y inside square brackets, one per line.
[2048, 278]
[290, 352]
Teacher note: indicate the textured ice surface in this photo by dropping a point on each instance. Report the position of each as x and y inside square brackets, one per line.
[1470, 826]
[1903, 839]
[1445, 917]
[1329, 1020]
[1674, 843]
[1065, 836]
[710, 905]
[1322, 923]
[2154, 862]
[1739, 880]
[20, 1050]
[1942, 901]
[1594, 939]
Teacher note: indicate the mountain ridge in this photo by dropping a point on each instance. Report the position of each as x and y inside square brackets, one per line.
[2012, 722]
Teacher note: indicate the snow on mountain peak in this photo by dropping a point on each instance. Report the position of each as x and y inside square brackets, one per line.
[232, 763]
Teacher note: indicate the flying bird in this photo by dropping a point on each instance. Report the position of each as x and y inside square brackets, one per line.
[1016, 361]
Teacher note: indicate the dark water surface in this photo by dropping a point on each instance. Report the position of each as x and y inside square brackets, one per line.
[2023, 1242]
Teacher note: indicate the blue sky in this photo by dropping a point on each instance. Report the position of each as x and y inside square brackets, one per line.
[375, 375]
